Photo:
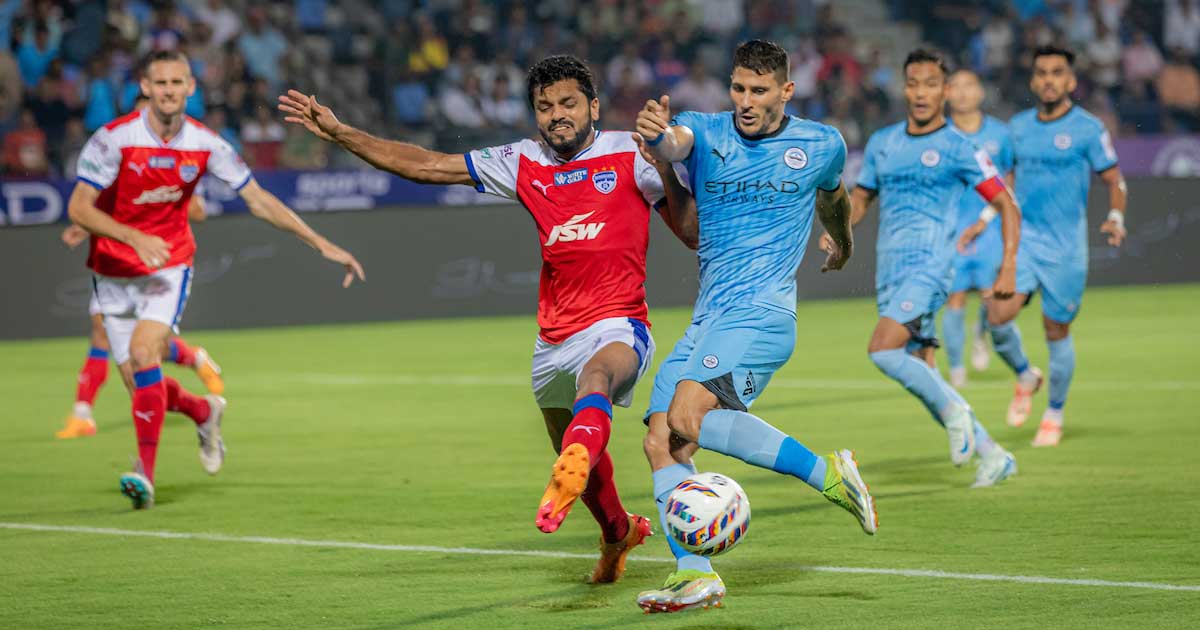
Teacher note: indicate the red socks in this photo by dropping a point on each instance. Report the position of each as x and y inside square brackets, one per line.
[185, 402]
[92, 376]
[149, 407]
[591, 426]
[180, 353]
[602, 500]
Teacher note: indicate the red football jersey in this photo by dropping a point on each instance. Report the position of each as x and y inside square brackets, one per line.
[147, 184]
[593, 222]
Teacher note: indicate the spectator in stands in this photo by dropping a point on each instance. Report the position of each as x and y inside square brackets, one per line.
[310, 15]
[1179, 91]
[463, 64]
[34, 55]
[221, 20]
[263, 138]
[669, 67]
[101, 98]
[431, 54]
[123, 23]
[410, 99]
[218, 121]
[163, 33]
[8, 11]
[806, 63]
[74, 138]
[699, 91]
[1141, 61]
[502, 108]
[1181, 26]
[262, 46]
[1104, 59]
[12, 92]
[303, 150]
[628, 68]
[25, 148]
[839, 59]
[462, 105]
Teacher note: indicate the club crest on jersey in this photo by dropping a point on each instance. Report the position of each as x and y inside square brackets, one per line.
[1062, 141]
[161, 161]
[931, 158]
[710, 361]
[605, 181]
[796, 158]
[570, 177]
[188, 171]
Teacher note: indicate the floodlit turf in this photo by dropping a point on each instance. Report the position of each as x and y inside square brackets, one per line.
[425, 433]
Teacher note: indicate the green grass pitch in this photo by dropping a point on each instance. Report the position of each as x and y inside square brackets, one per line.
[425, 433]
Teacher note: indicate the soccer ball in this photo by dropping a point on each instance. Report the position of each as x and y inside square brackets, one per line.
[707, 514]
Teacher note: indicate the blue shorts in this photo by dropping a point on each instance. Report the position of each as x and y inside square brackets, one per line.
[976, 270]
[733, 354]
[913, 302]
[1060, 281]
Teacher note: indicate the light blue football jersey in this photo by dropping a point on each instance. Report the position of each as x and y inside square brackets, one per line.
[920, 180]
[994, 137]
[1054, 165]
[755, 197]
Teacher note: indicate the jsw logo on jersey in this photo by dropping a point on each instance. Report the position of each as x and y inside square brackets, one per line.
[162, 194]
[575, 230]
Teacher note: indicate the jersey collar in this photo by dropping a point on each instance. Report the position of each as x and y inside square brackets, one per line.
[1037, 115]
[945, 123]
[595, 138]
[782, 125]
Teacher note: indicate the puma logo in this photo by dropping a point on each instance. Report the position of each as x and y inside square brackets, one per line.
[135, 167]
[144, 415]
[543, 187]
[718, 154]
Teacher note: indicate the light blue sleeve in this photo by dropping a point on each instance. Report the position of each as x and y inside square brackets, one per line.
[699, 124]
[1100, 152]
[831, 177]
[867, 177]
[1004, 158]
[974, 164]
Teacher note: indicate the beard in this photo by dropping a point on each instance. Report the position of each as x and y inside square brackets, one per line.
[571, 145]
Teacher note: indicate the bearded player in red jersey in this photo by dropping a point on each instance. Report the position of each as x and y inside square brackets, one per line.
[590, 193]
[142, 248]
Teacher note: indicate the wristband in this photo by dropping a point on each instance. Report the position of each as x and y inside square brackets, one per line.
[1118, 217]
[987, 214]
[655, 142]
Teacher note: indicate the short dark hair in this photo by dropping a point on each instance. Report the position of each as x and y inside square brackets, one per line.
[1050, 50]
[924, 55]
[557, 68]
[763, 57]
[162, 55]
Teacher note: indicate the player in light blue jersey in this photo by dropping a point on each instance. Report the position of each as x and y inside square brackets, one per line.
[757, 175]
[975, 267]
[1058, 146]
[919, 169]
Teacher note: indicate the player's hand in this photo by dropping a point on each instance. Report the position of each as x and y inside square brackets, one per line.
[1006, 283]
[654, 119]
[838, 255]
[152, 250]
[644, 149]
[1115, 231]
[301, 109]
[966, 241]
[344, 258]
[74, 235]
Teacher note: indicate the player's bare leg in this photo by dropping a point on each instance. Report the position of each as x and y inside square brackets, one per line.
[1062, 368]
[1007, 339]
[586, 437]
[95, 371]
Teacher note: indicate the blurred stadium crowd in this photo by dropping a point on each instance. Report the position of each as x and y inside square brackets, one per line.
[449, 73]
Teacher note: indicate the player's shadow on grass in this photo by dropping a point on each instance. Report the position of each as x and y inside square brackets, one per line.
[581, 595]
[824, 401]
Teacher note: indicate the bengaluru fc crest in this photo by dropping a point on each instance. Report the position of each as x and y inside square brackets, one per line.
[605, 181]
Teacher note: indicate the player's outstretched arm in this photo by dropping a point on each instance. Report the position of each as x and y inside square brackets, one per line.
[401, 158]
[1118, 198]
[666, 143]
[679, 212]
[152, 250]
[834, 211]
[196, 212]
[269, 208]
[860, 199]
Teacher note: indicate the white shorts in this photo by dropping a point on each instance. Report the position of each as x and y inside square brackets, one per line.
[556, 368]
[159, 297]
[93, 305]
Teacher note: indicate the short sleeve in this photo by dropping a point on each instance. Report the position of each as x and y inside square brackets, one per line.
[494, 169]
[648, 180]
[99, 161]
[831, 177]
[1100, 152]
[868, 178]
[226, 165]
[1005, 157]
[699, 126]
[977, 169]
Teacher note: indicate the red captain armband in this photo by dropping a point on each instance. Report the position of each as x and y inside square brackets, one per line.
[990, 188]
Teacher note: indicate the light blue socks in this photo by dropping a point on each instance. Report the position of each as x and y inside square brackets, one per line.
[1062, 367]
[954, 331]
[750, 439]
[665, 481]
[919, 379]
[1007, 339]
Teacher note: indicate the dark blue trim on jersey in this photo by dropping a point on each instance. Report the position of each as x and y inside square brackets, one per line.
[239, 187]
[1037, 115]
[594, 401]
[641, 339]
[147, 377]
[183, 296]
[782, 125]
[1101, 171]
[660, 203]
[595, 137]
[945, 123]
[81, 178]
[834, 189]
[474, 175]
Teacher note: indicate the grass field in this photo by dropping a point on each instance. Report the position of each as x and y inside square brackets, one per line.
[425, 434]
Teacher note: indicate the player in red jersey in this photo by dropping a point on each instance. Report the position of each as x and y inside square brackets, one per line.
[141, 253]
[95, 368]
[590, 194]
